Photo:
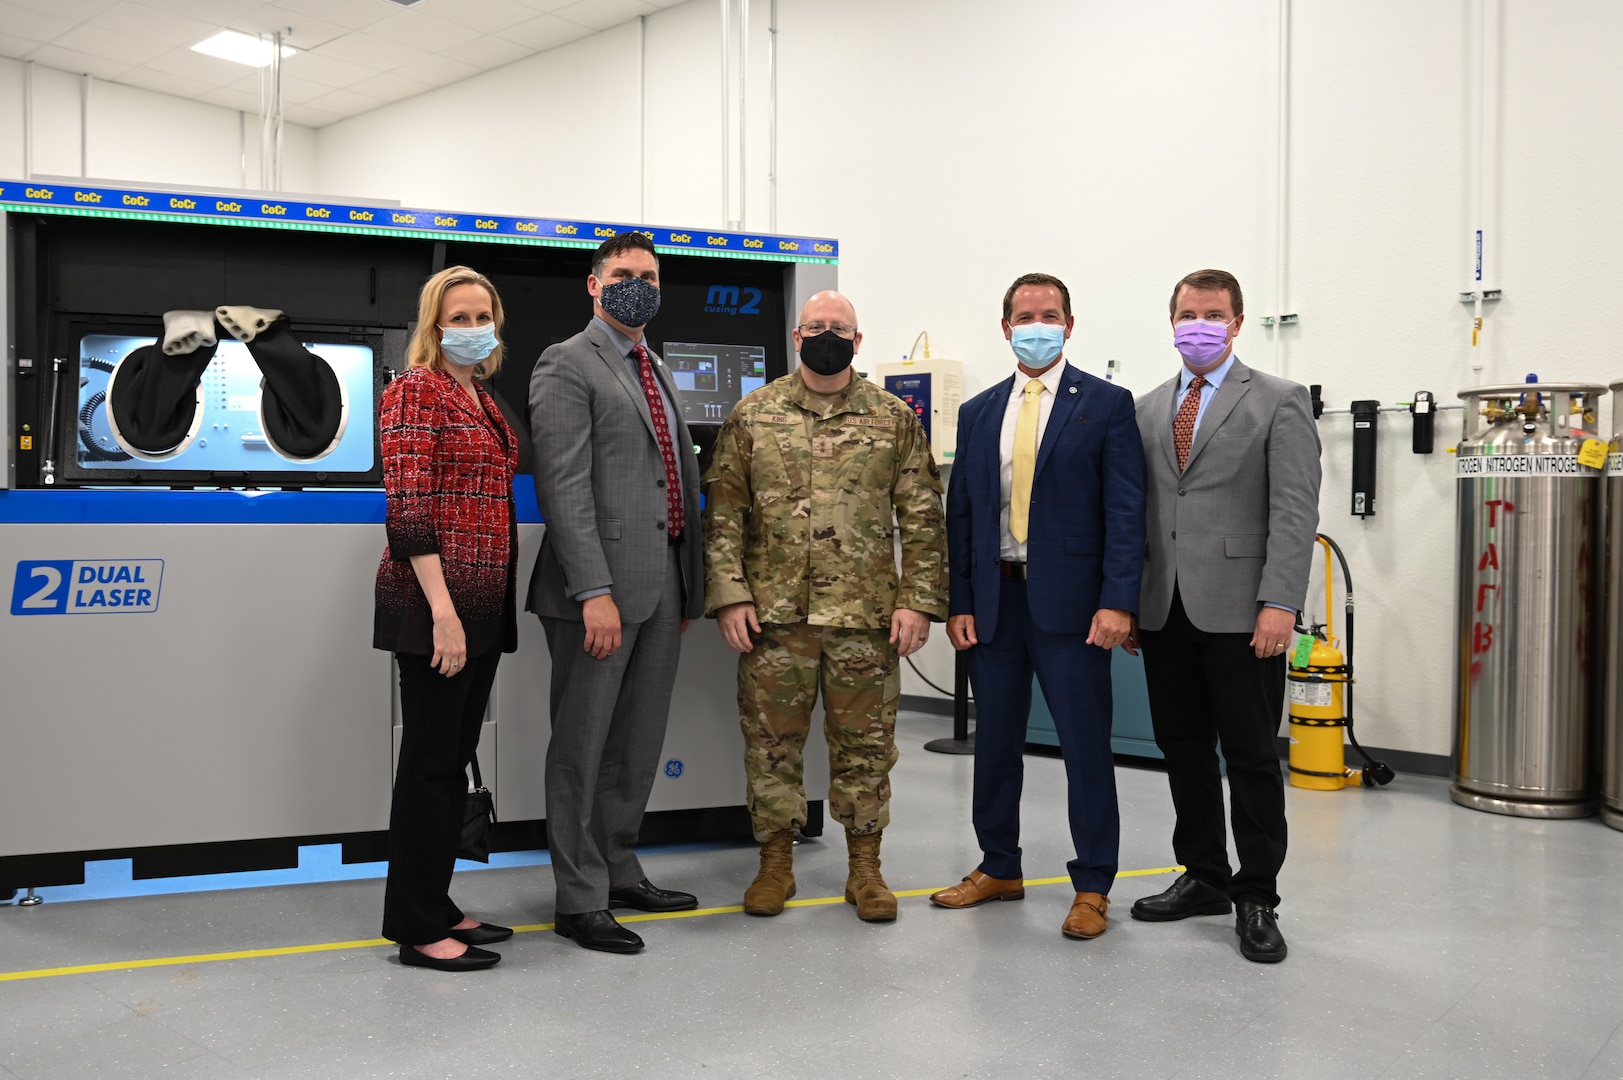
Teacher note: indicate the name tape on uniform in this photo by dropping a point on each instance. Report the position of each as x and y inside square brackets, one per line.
[1475, 465]
[86, 586]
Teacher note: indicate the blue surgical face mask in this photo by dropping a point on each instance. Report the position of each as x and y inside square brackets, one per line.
[467, 346]
[632, 302]
[1037, 344]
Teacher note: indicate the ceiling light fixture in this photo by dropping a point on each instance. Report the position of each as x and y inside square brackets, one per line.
[241, 48]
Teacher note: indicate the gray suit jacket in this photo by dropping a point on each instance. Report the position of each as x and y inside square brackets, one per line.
[600, 483]
[1237, 527]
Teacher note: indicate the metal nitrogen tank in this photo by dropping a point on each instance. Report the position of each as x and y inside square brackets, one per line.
[1611, 738]
[1526, 585]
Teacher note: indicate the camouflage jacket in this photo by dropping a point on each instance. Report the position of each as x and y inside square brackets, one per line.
[801, 508]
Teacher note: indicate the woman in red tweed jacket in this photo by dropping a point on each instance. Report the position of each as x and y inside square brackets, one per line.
[445, 602]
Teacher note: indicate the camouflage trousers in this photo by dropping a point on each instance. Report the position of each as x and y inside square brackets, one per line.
[778, 682]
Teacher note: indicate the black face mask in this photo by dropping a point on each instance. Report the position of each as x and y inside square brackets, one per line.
[827, 353]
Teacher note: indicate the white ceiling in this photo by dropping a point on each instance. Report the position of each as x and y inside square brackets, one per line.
[355, 54]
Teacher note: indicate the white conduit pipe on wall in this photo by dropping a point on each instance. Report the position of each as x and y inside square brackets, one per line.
[28, 120]
[743, 100]
[1282, 187]
[1479, 243]
[84, 126]
[726, 132]
[642, 118]
[772, 121]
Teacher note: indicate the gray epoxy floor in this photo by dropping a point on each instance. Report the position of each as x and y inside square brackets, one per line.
[1426, 941]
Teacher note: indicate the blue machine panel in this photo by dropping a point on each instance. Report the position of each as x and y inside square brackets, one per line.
[913, 388]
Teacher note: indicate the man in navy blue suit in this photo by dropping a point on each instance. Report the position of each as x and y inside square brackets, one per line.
[1045, 535]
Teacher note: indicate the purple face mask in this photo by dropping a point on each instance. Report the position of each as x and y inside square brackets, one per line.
[1200, 342]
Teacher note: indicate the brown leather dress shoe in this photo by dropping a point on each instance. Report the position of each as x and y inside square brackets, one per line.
[1087, 918]
[977, 888]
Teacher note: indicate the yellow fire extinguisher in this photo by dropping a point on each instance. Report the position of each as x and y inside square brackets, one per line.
[1320, 685]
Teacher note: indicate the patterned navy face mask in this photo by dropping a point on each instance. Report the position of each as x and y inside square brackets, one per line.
[632, 302]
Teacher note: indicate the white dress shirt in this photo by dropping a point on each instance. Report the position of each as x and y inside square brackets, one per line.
[1009, 549]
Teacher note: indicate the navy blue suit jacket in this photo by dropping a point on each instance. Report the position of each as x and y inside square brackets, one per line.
[1085, 539]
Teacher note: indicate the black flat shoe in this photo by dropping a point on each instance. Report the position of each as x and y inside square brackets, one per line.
[1187, 896]
[1258, 927]
[645, 897]
[483, 934]
[471, 960]
[596, 930]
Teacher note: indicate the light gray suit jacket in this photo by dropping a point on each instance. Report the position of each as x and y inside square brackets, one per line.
[1237, 527]
[600, 483]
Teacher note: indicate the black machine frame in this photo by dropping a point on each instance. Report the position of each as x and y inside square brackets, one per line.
[83, 275]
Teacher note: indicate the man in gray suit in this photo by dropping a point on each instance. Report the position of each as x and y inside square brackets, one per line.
[1233, 484]
[621, 571]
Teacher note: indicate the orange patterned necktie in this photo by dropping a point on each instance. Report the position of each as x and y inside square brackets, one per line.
[1183, 425]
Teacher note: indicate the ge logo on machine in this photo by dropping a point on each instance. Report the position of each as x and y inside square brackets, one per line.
[673, 768]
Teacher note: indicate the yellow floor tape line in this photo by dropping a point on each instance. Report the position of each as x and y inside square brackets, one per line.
[373, 943]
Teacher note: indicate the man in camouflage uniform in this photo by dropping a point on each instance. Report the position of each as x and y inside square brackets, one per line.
[812, 477]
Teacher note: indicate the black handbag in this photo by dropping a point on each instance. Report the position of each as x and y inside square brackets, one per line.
[477, 817]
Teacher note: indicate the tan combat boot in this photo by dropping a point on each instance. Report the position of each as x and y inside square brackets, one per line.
[865, 887]
[775, 882]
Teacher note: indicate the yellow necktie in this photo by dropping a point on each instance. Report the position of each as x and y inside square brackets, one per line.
[1025, 461]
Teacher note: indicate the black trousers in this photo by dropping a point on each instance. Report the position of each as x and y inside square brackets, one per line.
[439, 732]
[1207, 689]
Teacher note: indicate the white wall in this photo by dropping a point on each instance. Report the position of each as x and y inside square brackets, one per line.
[552, 134]
[137, 135]
[951, 145]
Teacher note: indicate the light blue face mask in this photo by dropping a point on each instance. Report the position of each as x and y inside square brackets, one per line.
[467, 346]
[1037, 344]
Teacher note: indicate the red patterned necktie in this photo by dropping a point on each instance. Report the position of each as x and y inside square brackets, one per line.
[667, 447]
[1183, 425]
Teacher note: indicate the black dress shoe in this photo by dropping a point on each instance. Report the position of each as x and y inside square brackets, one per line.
[1187, 896]
[645, 897]
[483, 934]
[471, 960]
[1260, 939]
[596, 930]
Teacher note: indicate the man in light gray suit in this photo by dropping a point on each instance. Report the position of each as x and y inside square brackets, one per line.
[1232, 457]
[620, 573]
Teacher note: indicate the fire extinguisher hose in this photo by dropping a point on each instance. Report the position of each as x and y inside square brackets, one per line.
[1374, 772]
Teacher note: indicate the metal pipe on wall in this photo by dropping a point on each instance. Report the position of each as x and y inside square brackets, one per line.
[276, 98]
[270, 103]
